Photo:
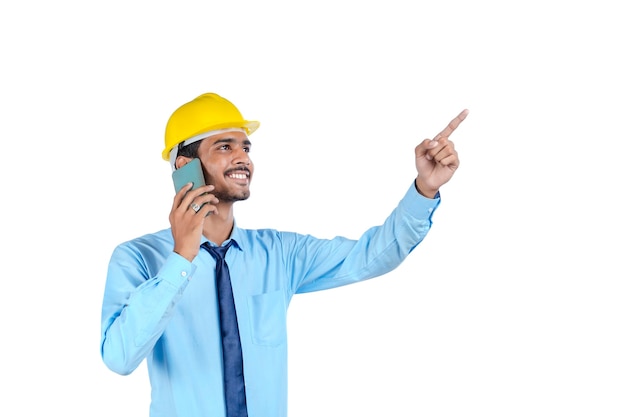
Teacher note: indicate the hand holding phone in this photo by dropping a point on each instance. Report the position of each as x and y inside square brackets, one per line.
[189, 173]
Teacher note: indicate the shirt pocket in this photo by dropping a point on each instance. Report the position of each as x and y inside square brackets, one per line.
[268, 316]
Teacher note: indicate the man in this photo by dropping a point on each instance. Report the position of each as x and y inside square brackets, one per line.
[162, 300]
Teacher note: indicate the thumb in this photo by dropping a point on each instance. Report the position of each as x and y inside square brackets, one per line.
[422, 149]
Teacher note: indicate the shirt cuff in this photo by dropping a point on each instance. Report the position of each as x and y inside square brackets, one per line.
[418, 205]
[177, 270]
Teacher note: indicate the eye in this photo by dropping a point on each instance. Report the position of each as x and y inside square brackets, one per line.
[246, 149]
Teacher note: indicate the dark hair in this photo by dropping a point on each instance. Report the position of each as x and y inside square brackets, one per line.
[189, 151]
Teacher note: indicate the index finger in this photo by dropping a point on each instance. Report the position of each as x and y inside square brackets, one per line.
[452, 125]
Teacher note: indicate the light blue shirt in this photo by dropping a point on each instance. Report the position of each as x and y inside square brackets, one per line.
[162, 308]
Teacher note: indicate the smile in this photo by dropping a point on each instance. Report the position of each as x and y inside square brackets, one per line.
[239, 175]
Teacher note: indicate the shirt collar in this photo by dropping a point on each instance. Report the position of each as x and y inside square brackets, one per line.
[237, 236]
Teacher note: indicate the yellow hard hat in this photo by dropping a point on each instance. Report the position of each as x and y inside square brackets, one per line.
[205, 113]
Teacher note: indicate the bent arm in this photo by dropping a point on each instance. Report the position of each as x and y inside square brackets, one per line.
[137, 306]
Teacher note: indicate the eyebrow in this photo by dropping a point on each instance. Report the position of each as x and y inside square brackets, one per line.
[231, 140]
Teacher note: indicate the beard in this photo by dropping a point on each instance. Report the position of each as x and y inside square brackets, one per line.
[231, 196]
[226, 194]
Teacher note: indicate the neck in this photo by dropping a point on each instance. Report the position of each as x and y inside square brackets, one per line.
[218, 227]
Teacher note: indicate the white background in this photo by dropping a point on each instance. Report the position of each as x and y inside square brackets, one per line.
[513, 305]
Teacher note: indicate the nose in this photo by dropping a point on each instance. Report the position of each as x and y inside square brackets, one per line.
[241, 156]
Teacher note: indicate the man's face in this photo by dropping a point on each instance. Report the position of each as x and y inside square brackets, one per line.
[227, 165]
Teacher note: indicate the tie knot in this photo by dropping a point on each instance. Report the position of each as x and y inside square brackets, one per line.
[218, 252]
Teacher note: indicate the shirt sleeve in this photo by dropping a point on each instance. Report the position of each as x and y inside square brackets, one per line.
[318, 264]
[140, 293]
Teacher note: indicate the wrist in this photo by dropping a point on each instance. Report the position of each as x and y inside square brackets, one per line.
[424, 190]
[187, 254]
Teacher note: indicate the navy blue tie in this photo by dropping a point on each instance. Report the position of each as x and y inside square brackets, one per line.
[234, 386]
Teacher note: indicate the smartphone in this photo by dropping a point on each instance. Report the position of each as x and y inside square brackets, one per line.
[190, 172]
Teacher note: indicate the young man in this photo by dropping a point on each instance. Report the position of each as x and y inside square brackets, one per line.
[164, 291]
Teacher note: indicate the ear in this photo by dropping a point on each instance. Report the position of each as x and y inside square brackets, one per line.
[181, 161]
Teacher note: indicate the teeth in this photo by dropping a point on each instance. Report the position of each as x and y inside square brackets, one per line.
[239, 176]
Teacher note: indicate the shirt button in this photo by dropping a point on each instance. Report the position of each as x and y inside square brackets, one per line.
[184, 273]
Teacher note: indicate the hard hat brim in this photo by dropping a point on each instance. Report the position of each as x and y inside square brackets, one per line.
[250, 126]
